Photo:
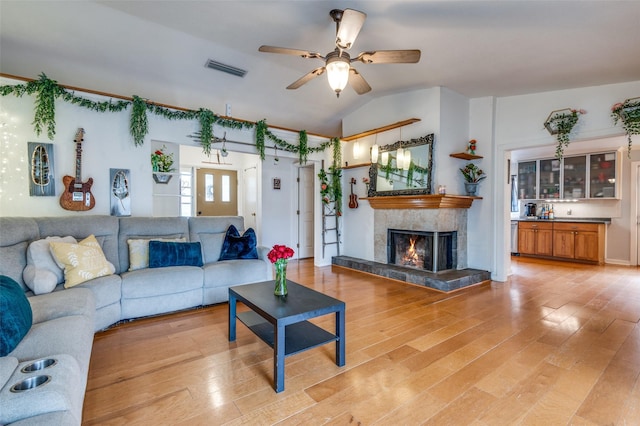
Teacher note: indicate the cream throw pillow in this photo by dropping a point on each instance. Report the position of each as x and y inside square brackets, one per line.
[82, 262]
[139, 251]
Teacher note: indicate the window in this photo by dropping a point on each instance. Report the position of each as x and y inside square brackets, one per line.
[226, 189]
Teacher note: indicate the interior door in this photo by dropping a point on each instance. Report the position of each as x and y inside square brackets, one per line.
[305, 212]
[250, 184]
[217, 192]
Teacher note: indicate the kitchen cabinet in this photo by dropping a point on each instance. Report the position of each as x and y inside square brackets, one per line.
[549, 179]
[576, 177]
[535, 238]
[527, 180]
[576, 241]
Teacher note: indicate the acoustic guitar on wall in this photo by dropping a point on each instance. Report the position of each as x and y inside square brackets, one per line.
[353, 198]
[77, 195]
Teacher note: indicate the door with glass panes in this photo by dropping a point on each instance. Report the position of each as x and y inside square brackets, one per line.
[217, 192]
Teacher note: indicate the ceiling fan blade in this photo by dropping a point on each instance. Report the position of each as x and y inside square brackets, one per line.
[306, 78]
[287, 51]
[389, 57]
[349, 27]
[357, 81]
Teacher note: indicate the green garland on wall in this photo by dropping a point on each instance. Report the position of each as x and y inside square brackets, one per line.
[47, 91]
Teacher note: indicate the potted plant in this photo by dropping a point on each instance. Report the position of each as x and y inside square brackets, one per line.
[628, 112]
[472, 176]
[560, 123]
[162, 164]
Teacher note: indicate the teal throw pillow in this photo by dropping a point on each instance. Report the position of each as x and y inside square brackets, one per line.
[236, 246]
[16, 316]
[166, 253]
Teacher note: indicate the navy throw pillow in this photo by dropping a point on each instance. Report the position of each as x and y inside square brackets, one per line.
[16, 316]
[236, 246]
[169, 253]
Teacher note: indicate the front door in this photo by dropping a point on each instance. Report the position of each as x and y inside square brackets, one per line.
[217, 192]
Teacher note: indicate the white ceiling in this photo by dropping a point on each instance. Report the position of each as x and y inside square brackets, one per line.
[157, 50]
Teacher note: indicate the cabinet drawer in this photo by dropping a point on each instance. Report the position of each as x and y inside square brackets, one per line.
[535, 225]
[576, 226]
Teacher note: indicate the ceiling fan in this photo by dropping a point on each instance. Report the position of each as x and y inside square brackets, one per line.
[338, 62]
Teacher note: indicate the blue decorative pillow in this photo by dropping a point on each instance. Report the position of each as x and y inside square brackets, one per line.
[239, 247]
[166, 253]
[15, 315]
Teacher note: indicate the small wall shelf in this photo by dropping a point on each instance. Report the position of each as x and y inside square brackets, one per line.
[355, 166]
[465, 156]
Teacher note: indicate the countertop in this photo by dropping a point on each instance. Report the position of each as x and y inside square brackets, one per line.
[605, 220]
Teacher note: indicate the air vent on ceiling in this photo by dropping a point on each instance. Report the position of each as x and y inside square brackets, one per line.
[214, 65]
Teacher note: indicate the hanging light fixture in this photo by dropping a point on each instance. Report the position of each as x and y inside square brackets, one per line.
[356, 150]
[374, 151]
[337, 71]
[400, 158]
[407, 160]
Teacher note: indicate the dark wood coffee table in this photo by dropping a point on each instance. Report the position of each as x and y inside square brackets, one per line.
[282, 321]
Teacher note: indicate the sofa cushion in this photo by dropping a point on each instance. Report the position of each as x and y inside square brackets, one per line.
[236, 246]
[82, 262]
[210, 231]
[16, 316]
[104, 228]
[15, 235]
[74, 301]
[139, 251]
[164, 253]
[8, 365]
[43, 273]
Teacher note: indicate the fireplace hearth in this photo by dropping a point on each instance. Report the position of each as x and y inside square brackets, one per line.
[423, 250]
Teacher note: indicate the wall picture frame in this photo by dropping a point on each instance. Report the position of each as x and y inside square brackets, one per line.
[276, 183]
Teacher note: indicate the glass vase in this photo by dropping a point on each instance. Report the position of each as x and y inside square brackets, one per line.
[281, 278]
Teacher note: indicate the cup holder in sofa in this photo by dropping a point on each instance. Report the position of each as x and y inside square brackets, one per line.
[30, 383]
[40, 364]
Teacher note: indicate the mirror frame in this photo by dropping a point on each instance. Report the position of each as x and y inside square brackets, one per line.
[373, 170]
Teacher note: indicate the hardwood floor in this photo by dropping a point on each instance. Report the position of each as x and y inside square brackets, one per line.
[558, 343]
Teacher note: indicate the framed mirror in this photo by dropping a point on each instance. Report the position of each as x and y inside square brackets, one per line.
[391, 176]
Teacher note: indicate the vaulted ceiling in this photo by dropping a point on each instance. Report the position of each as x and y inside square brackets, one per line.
[158, 49]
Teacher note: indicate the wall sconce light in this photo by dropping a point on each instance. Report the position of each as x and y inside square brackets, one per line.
[375, 149]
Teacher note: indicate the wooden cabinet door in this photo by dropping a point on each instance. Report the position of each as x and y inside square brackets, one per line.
[586, 246]
[526, 240]
[563, 244]
[544, 242]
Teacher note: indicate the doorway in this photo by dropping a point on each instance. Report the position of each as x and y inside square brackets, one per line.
[250, 193]
[305, 211]
[635, 213]
[217, 192]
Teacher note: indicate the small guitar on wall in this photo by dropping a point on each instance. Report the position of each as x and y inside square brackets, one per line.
[353, 198]
[77, 194]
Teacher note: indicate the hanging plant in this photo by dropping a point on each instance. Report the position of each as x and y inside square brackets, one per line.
[138, 124]
[261, 128]
[303, 149]
[45, 115]
[206, 119]
[628, 112]
[560, 123]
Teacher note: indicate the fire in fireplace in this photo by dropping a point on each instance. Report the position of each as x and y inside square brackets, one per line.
[431, 251]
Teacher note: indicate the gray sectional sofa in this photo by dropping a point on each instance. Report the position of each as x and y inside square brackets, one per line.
[64, 320]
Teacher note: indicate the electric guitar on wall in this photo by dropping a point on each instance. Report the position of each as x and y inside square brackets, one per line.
[77, 194]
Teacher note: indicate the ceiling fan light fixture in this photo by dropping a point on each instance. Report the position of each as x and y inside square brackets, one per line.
[338, 73]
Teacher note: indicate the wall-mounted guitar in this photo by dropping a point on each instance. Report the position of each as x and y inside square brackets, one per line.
[77, 194]
[353, 198]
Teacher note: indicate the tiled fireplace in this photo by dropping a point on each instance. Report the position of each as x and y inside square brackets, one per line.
[439, 239]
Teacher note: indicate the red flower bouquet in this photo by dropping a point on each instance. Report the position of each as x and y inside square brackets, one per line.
[280, 252]
[278, 256]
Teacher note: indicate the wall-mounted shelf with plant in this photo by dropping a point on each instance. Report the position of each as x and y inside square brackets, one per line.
[560, 123]
[628, 113]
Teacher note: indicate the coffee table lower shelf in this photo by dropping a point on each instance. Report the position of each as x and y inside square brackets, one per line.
[299, 336]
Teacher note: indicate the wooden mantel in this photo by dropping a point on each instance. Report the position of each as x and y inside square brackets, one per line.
[434, 201]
